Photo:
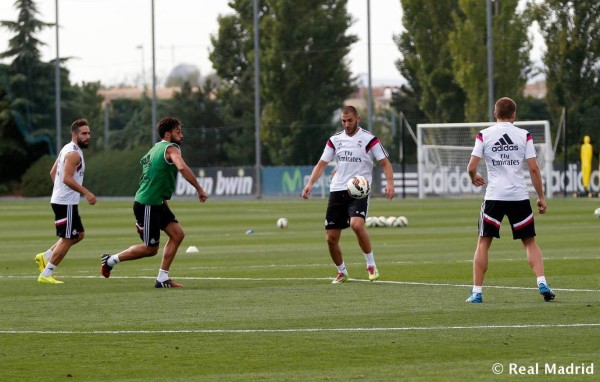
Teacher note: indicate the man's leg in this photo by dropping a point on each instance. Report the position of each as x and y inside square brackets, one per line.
[480, 259]
[58, 253]
[534, 256]
[358, 226]
[480, 265]
[176, 236]
[134, 252]
[335, 251]
[333, 244]
[62, 246]
[536, 262]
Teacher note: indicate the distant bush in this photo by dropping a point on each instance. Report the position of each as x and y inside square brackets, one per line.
[114, 173]
[107, 173]
[36, 180]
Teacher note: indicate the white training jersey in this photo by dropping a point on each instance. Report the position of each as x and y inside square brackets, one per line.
[505, 148]
[353, 155]
[63, 194]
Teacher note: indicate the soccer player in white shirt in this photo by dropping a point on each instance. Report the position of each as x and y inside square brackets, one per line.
[67, 175]
[355, 151]
[506, 148]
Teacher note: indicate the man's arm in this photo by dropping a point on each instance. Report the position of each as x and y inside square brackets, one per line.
[476, 177]
[72, 160]
[314, 176]
[53, 170]
[390, 190]
[174, 155]
[536, 179]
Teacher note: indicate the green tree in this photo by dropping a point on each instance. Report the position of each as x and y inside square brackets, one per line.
[203, 133]
[304, 75]
[130, 123]
[82, 101]
[468, 44]
[29, 81]
[232, 57]
[426, 62]
[571, 30]
[13, 148]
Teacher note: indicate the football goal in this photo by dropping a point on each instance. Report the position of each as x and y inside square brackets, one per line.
[444, 150]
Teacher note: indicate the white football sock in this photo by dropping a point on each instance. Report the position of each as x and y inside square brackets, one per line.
[477, 289]
[370, 259]
[49, 270]
[541, 280]
[162, 275]
[342, 268]
[48, 254]
[114, 259]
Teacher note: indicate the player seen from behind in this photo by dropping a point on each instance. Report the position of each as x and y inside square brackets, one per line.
[506, 148]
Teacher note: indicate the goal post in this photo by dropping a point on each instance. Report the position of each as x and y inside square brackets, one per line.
[444, 150]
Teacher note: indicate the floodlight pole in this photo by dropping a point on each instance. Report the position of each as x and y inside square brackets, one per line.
[153, 80]
[57, 85]
[370, 95]
[257, 142]
[141, 47]
[490, 60]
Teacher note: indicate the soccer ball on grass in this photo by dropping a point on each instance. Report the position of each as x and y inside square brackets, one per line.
[402, 221]
[597, 212]
[282, 223]
[359, 187]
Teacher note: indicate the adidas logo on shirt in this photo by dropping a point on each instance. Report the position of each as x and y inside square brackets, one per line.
[505, 144]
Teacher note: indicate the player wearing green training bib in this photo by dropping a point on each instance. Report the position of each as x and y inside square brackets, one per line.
[157, 183]
[158, 176]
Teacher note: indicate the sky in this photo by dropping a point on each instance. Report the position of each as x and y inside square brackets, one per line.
[110, 40]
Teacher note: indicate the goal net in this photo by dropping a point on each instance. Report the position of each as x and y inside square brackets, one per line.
[444, 150]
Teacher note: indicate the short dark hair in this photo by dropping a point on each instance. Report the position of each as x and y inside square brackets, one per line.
[348, 109]
[167, 124]
[77, 124]
[505, 108]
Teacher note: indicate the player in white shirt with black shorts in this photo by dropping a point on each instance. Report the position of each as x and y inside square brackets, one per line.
[355, 150]
[506, 148]
[67, 175]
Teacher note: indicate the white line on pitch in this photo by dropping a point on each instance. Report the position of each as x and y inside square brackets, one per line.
[302, 330]
[313, 279]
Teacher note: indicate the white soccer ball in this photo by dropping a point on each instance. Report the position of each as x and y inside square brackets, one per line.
[282, 223]
[370, 222]
[389, 221]
[359, 187]
[398, 223]
[403, 221]
[597, 212]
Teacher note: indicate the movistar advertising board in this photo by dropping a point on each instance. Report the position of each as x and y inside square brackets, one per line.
[290, 180]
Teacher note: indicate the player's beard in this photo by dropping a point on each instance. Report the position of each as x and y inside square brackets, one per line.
[350, 131]
[83, 144]
[175, 140]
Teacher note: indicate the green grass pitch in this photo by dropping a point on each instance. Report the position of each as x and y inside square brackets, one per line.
[261, 306]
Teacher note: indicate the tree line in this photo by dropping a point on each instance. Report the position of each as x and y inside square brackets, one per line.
[305, 77]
